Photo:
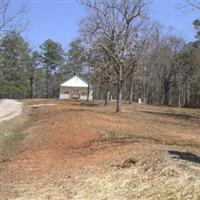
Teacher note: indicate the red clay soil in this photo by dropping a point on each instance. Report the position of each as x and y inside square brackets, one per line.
[54, 141]
[70, 135]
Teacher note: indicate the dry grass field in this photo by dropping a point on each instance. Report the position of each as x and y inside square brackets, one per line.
[78, 151]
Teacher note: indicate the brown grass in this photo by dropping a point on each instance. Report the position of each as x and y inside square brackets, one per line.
[77, 151]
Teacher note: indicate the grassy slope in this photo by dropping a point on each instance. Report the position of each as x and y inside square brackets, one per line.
[12, 132]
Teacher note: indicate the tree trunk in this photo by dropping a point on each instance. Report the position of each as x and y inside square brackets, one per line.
[119, 90]
[166, 92]
[179, 96]
[131, 91]
[186, 95]
[88, 93]
[107, 97]
[97, 93]
[47, 83]
[146, 91]
[32, 85]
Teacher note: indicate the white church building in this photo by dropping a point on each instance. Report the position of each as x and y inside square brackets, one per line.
[75, 88]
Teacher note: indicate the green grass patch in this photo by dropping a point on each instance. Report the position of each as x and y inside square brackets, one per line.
[11, 139]
[172, 196]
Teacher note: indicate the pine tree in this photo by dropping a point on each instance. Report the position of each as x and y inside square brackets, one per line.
[52, 57]
[14, 54]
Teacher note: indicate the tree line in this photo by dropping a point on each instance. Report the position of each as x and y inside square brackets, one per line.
[27, 73]
[132, 57]
[122, 53]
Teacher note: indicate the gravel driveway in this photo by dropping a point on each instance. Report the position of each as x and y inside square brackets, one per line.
[9, 108]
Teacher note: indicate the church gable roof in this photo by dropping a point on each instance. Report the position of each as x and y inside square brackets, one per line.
[75, 81]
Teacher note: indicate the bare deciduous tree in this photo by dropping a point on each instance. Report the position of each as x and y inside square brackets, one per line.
[116, 25]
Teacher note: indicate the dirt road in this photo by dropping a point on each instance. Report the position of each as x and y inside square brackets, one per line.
[9, 108]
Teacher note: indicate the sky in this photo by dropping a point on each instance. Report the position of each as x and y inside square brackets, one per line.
[59, 19]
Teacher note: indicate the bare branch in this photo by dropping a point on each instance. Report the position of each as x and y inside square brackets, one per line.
[194, 4]
[10, 20]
